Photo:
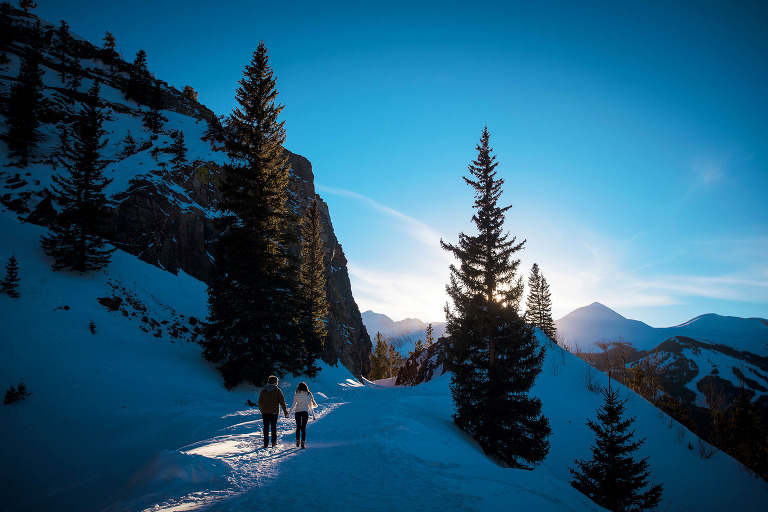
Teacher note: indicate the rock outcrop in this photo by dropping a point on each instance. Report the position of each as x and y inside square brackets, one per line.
[163, 213]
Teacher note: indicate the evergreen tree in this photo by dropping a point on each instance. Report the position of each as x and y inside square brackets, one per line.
[64, 49]
[27, 5]
[252, 302]
[539, 303]
[418, 348]
[108, 53]
[385, 360]
[190, 92]
[73, 240]
[109, 42]
[744, 436]
[10, 284]
[24, 108]
[494, 355]
[179, 149]
[129, 145]
[429, 339]
[153, 120]
[613, 478]
[140, 79]
[314, 303]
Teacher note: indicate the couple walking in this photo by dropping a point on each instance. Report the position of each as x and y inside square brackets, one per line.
[271, 399]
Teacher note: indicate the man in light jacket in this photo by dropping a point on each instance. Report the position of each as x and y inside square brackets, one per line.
[270, 401]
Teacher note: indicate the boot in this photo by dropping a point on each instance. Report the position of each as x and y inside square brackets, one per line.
[266, 443]
[297, 442]
[302, 445]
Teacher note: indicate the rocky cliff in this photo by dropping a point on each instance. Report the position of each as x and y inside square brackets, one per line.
[161, 208]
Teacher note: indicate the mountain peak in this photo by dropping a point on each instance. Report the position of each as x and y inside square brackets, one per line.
[595, 311]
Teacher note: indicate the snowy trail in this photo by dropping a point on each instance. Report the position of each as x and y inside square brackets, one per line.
[349, 444]
[373, 449]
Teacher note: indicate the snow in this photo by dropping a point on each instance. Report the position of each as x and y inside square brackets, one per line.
[124, 420]
[584, 326]
[131, 418]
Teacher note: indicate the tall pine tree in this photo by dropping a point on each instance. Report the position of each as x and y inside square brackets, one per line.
[252, 326]
[539, 303]
[613, 478]
[73, 240]
[314, 303]
[24, 107]
[495, 357]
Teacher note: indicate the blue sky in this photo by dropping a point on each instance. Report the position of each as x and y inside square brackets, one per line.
[632, 136]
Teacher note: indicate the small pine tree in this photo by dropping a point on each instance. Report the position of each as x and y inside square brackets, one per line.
[153, 120]
[92, 327]
[24, 107]
[140, 79]
[10, 284]
[385, 360]
[108, 53]
[429, 339]
[539, 304]
[73, 241]
[65, 52]
[179, 149]
[129, 145]
[190, 92]
[613, 478]
[744, 436]
[312, 280]
[109, 41]
[27, 5]
[16, 393]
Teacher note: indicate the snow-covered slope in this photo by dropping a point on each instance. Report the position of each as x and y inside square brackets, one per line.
[402, 333]
[125, 419]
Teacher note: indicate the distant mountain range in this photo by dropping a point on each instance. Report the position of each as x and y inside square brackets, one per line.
[584, 326]
[727, 352]
[402, 333]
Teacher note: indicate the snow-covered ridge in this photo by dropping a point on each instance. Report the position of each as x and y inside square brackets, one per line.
[584, 326]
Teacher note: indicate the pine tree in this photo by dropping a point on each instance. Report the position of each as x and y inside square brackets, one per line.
[153, 120]
[108, 53]
[429, 339]
[190, 92]
[252, 302]
[539, 303]
[494, 355]
[385, 360]
[179, 149]
[140, 79]
[109, 41]
[27, 5]
[64, 50]
[613, 478]
[24, 107]
[548, 324]
[73, 240]
[10, 284]
[379, 354]
[129, 145]
[314, 303]
[744, 436]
